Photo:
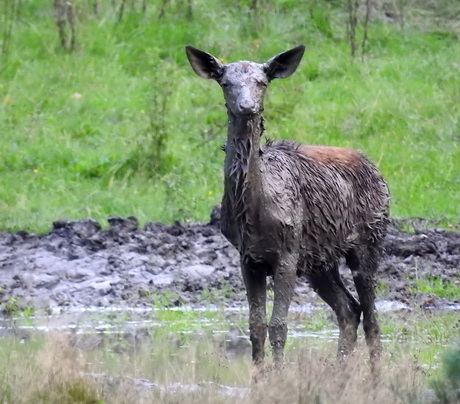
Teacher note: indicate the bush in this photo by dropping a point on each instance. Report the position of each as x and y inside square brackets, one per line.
[447, 389]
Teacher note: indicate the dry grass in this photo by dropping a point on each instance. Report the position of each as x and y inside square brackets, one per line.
[61, 369]
[319, 379]
[51, 374]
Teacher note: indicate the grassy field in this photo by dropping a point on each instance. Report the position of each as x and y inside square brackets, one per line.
[122, 125]
[115, 362]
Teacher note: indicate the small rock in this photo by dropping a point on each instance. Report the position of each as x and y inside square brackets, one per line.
[103, 287]
[86, 228]
[77, 275]
[162, 280]
[46, 281]
[82, 228]
[198, 271]
[124, 223]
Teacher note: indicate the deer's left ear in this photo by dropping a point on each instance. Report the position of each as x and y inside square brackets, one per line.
[284, 64]
[203, 63]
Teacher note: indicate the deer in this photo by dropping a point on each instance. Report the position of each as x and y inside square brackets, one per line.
[296, 210]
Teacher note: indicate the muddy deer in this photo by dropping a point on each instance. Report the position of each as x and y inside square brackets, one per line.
[293, 210]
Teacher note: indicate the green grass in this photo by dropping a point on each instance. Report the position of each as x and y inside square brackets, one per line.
[421, 328]
[444, 288]
[122, 126]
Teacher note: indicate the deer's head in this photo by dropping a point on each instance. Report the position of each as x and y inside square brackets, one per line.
[244, 83]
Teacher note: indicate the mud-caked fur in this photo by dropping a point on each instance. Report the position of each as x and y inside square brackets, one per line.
[294, 209]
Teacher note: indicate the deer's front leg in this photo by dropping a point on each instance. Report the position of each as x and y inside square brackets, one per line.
[256, 290]
[284, 280]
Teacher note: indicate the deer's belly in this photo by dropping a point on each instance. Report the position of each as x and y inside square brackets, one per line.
[231, 232]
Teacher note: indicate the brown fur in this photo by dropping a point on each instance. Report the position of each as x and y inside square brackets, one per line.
[335, 156]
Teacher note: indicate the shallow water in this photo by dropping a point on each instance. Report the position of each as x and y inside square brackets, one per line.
[306, 321]
[207, 340]
[229, 324]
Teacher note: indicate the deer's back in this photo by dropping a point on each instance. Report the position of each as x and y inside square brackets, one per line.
[334, 197]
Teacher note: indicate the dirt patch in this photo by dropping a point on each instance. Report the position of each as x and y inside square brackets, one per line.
[80, 264]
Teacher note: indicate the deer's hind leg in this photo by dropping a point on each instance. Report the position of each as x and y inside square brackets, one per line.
[327, 283]
[363, 264]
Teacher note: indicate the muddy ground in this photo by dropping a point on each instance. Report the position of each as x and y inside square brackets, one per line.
[78, 264]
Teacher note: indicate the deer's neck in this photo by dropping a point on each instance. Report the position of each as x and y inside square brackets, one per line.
[242, 162]
[242, 150]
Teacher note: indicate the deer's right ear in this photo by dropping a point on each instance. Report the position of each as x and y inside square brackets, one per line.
[203, 63]
[284, 64]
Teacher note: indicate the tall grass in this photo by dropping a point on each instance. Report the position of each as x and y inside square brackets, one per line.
[188, 357]
[123, 126]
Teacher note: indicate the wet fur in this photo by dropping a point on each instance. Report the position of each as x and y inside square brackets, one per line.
[337, 212]
[333, 199]
[294, 209]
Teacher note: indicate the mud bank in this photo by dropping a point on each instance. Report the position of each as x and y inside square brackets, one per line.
[78, 264]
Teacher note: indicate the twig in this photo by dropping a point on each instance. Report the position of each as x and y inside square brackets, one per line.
[190, 9]
[11, 12]
[401, 11]
[64, 13]
[121, 10]
[71, 19]
[366, 28]
[96, 7]
[352, 22]
[163, 8]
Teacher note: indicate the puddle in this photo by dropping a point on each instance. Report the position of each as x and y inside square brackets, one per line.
[447, 307]
[387, 306]
[332, 334]
[229, 324]
[202, 320]
[186, 338]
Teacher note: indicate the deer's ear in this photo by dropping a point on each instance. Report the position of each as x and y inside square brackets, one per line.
[284, 64]
[203, 63]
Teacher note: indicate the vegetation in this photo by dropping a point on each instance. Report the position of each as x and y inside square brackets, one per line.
[117, 123]
[437, 286]
[101, 115]
[162, 357]
[447, 386]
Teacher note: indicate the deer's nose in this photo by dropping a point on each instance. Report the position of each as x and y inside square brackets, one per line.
[247, 105]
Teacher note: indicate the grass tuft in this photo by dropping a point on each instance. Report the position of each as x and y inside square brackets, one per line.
[440, 287]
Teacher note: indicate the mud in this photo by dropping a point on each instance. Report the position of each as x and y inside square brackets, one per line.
[79, 264]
